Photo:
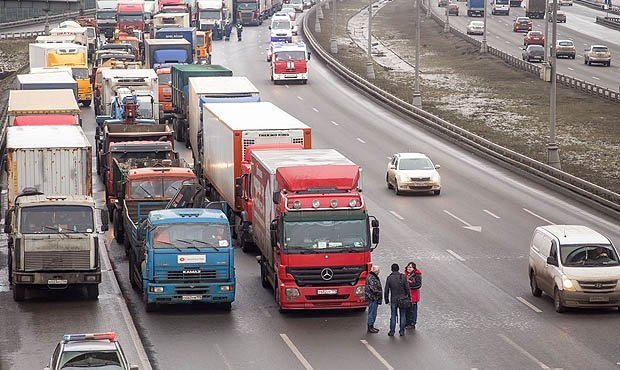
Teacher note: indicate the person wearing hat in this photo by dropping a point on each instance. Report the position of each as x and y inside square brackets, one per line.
[374, 297]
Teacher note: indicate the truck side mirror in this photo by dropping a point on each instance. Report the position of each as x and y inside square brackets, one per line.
[309, 55]
[276, 197]
[105, 222]
[238, 186]
[273, 227]
[269, 27]
[8, 224]
[375, 235]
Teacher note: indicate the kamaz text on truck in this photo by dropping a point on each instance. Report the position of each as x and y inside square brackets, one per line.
[311, 226]
[289, 62]
[183, 256]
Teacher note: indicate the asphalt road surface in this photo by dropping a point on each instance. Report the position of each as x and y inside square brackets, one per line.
[470, 242]
[579, 27]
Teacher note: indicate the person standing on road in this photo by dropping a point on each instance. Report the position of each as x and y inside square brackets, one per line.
[414, 279]
[399, 299]
[239, 28]
[374, 297]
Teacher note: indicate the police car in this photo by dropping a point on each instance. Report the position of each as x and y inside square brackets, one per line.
[83, 351]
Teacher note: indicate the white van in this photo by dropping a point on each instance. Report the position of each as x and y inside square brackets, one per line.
[281, 29]
[575, 265]
[500, 7]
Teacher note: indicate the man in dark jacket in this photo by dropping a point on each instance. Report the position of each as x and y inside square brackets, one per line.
[396, 283]
[374, 297]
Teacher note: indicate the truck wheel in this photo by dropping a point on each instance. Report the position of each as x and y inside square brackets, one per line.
[263, 276]
[188, 143]
[227, 306]
[92, 292]
[19, 293]
[132, 274]
[150, 306]
[118, 228]
[98, 165]
[126, 243]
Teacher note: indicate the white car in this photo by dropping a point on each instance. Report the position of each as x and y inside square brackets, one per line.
[298, 5]
[412, 172]
[290, 12]
[475, 28]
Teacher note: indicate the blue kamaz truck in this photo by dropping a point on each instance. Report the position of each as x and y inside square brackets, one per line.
[183, 255]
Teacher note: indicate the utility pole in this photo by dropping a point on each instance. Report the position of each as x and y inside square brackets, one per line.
[428, 9]
[553, 151]
[446, 26]
[546, 64]
[370, 70]
[483, 45]
[333, 44]
[417, 95]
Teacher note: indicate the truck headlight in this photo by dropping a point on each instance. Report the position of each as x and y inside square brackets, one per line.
[359, 290]
[25, 278]
[567, 283]
[156, 289]
[226, 288]
[292, 292]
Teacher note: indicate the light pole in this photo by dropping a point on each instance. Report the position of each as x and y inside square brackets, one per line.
[546, 64]
[446, 26]
[483, 44]
[370, 71]
[46, 29]
[317, 21]
[553, 152]
[428, 9]
[417, 95]
[333, 44]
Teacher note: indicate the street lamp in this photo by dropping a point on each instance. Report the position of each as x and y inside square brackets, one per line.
[446, 26]
[417, 95]
[483, 45]
[333, 44]
[370, 71]
[428, 9]
[553, 153]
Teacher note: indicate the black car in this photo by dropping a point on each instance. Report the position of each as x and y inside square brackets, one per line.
[533, 53]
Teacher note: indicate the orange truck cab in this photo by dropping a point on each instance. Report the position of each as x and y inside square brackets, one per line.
[165, 93]
[204, 46]
[124, 38]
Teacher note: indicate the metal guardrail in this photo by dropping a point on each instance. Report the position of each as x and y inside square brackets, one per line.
[609, 22]
[21, 35]
[598, 196]
[51, 18]
[595, 5]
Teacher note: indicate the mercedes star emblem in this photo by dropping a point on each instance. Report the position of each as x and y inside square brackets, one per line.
[327, 274]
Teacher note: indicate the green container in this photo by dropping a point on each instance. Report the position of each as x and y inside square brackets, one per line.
[180, 81]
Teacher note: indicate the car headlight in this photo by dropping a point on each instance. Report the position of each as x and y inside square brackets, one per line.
[402, 178]
[567, 284]
[435, 177]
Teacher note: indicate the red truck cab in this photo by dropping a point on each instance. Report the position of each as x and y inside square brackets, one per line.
[165, 93]
[130, 16]
[289, 62]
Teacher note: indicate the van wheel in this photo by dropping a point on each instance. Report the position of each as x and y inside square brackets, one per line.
[536, 292]
[389, 186]
[557, 302]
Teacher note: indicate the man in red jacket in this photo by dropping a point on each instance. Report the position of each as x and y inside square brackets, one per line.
[414, 279]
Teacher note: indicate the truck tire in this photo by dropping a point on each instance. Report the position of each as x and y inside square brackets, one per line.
[118, 228]
[126, 243]
[19, 292]
[92, 292]
[263, 275]
[188, 143]
[150, 306]
[132, 274]
[85, 103]
[227, 306]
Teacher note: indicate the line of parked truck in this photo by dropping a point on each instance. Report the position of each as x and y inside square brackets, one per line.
[254, 179]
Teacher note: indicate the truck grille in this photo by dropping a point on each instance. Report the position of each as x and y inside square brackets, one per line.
[190, 275]
[56, 260]
[342, 275]
[341, 297]
[192, 290]
[598, 286]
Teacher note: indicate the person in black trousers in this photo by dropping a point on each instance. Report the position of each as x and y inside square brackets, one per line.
[396, 284]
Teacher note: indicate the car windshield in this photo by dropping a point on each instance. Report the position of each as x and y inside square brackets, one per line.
[246, 6]
[535, 48]
[210, 14]
[502, 2]
[158, 188]
[523, 19]
[535, 33]
[565, 43]
[102, 360]
[191, 235]
[600, 49]
[415, 164]
[281, 25]
[296, 2]
[56, 219]
[319, 235]
[588, 255]
[145, 107]
[290, 55]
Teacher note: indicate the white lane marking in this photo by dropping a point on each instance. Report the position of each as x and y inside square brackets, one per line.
[523, 351]
[314, 109]
[376, 354]
[497, 37]
[299, 97]
[286, 86]
[596, 78]
[219, 350]
[334, 123]
[296, 352]
[361, 141]
[3, 191]
[397, 215]
[455, 255]
[538, 216]
[508, 42]
[570, 69]
[490, 213]
[467, 226]
[534, 308]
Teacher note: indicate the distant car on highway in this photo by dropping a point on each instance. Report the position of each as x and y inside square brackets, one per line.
[412, 172]
[560, 17]
[89, 351]
[290, 12]
[441, 3]
[565, 2]
[597, 54]
[565, 48]
[534, 38]
[475, 28]
[533, 53]
[298, 5]
[521, 24]
[453, 9]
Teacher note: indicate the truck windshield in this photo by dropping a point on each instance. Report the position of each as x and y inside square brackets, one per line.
[210, 14]
[191, 235]
[164, 78]
[324, 233]
[588, 255]
[80, 73]
[145, 107]
[283, 25]
[157, 188]
[55, 219]
[130, 17]
[502, 2]
[141, 155]
[108, 16]
[246, 6]
[289, 55]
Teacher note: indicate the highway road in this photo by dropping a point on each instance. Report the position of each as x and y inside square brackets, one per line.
[579, 27]
[470, 242]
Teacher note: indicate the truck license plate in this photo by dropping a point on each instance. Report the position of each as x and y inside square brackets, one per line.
[326, 291]
[191, 297]
[57, 282]
[599, 299]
